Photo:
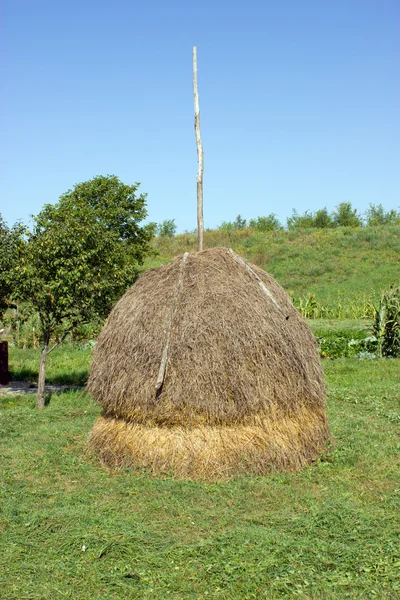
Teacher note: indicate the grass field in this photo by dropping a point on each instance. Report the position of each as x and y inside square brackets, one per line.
[70, 529]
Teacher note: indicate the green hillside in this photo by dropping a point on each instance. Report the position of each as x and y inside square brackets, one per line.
[343, 269]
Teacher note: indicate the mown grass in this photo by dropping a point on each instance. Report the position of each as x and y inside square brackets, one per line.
[67, 364]
[73, 530]
[344, 268]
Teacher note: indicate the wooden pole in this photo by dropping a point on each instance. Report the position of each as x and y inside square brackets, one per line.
[200, 156]
[164, 359]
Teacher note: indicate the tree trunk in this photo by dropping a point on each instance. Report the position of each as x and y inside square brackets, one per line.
[3, 363]
[200, 156]
[42, 372]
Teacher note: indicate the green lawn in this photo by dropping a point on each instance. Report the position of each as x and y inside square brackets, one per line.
[67, 364]
[73, 530]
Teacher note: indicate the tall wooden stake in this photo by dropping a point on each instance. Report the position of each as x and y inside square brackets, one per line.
[200, 156]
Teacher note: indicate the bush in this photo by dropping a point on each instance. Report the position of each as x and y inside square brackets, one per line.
[304, 221]
[167, 228]
[346, 216]
[238, 224]
[376, 215]
[269, 223]
[321, 219]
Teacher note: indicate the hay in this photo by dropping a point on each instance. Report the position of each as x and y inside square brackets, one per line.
[242, 387]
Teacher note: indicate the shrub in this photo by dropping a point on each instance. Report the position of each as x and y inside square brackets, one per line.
[376, 215]
[304, 221]
[238, 224]
[346, 216]
[167, 228]
[269, 223]
[321, 219]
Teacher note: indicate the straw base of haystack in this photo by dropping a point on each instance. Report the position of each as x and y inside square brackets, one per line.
[212, 452]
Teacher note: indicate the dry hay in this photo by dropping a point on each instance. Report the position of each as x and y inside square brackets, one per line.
[243, 388]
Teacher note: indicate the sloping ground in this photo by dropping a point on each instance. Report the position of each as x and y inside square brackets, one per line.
[342, 265]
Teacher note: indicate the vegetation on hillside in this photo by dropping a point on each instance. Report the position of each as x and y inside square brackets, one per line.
[344, 215]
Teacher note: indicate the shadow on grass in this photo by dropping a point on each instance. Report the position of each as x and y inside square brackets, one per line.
[76, 377]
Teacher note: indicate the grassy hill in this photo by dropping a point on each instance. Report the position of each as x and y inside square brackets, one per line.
[343, 269]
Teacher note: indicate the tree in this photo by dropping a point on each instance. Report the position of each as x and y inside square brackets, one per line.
[322, 219]
[269, 223]
[81, 257]
[167, 228]
[297, 221]
[376, 215]
[345, 216]
[239, 222]
[11, 243]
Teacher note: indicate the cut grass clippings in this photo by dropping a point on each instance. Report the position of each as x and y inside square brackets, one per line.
[70, 529]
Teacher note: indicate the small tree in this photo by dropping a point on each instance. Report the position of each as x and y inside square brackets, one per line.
[81, 257]
[376, 215]
[226, 226]
[269, 223]
[322, 219]
[345, 216]
[239, 222]
[167, 228]
[304, 221]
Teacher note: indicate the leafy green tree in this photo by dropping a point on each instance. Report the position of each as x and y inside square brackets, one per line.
[322, 219]
[345, 216]
[304, 221]
[167, 228]
[269, 223]
[376, 215]
[239, 223]
[226, 226]
[81, 257]
[11, 244]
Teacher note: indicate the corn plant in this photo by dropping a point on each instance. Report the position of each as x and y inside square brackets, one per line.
[386, 323]
[310, 308]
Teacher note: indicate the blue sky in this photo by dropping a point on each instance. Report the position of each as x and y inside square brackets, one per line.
[299, 103]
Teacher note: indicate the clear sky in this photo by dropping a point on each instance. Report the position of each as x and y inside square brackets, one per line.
[299, 103]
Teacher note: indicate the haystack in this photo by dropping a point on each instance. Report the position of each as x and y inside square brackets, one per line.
[205, 369]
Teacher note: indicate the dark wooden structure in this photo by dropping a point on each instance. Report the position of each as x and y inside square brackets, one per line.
[4, 363]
